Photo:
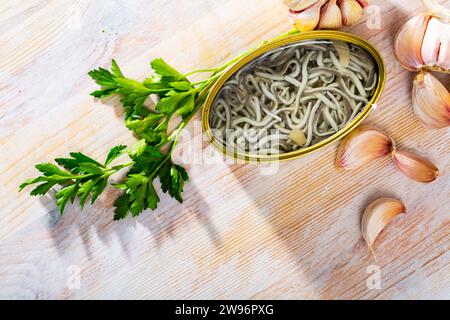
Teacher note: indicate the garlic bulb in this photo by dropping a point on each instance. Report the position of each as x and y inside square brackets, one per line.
[431, 101]
[423, 42]
[408, 42]
[415, 166]
[361, 146]
[307, 15]
[376, 216]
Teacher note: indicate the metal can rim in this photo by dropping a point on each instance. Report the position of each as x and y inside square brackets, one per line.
[278, 42]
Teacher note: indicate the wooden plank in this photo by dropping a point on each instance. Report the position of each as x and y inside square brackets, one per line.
[233, 237]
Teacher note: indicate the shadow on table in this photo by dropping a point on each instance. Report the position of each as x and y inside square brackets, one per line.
[97, 221]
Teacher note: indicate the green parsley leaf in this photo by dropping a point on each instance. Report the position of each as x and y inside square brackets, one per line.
[182, 85]
[87, 167]
[121, 205]
[42, 188]
[115, 69]
[137, 149]
[162, 68]
[187, 105]
[114, 153]
[133, 92]
[28, 182]
[150, 128]
[49, 169]
[172, 179]
[85, 190]
[152, 197]
[169, 104]
[64, 195]
[98, 188]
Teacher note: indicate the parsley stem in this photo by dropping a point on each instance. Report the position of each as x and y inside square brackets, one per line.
[200, 71]
[121, 166]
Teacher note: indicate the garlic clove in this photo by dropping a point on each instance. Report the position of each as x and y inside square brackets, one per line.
[376, 216]
[297, 136]
[431, 100]
[361, 146]
[300, 5]
[432, 42]
[307, 19]
[351, 11]
[330, 16]
[415, 166]
[343, 51]
[408, 42]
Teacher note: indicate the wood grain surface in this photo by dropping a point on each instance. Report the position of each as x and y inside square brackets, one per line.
[242, 233]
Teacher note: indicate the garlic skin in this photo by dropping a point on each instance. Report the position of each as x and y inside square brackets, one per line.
[431, 100]
[408, 42]
[377, 215]
[415, 166]
[437, 10]
[300, 5]
[330, 16]
[361, 146]
[351, 11]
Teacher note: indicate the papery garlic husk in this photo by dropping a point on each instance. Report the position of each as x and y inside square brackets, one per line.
[300, 5]
[438, 10]
[361, 146]
[431, 100]
[377, 215]
[307, 19]
[330, 16]
[408, 42]
[351, 11]
[415, 166]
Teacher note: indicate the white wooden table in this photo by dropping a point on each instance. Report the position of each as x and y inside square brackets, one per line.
[239, 234]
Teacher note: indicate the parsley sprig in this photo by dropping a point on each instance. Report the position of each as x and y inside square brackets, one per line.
[82, 177]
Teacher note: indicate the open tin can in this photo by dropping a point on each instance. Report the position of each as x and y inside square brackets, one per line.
[277, 46]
